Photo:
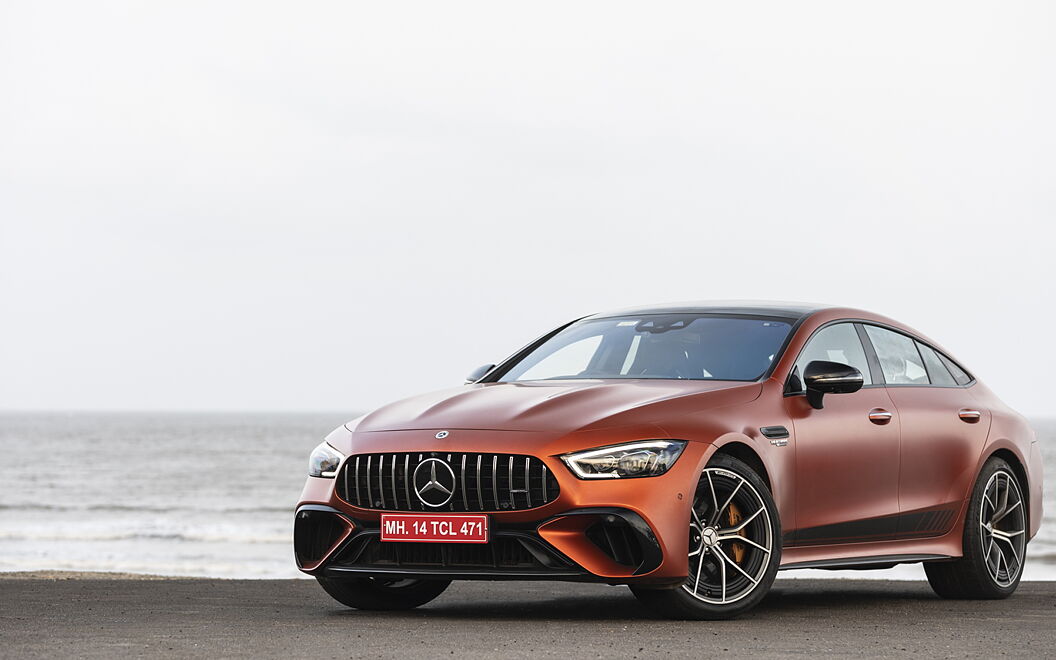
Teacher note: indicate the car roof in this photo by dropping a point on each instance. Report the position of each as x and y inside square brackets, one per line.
[790, 310]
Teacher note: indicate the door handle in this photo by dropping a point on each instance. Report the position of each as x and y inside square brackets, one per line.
[969, 415]
[879, 416]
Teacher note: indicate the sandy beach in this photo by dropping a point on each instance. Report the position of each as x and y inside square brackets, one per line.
[99, 616]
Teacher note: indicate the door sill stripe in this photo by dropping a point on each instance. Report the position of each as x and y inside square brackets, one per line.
[863, 561]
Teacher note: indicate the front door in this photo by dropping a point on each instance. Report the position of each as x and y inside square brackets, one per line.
[847, 453]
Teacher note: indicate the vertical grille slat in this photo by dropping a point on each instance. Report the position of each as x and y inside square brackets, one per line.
[483, 482]
[395, 499]
[407, 478]
[370, 495]
[345, 477]
[544, 482]
[528, 480]
[480, 487]
[495, 480]
[415, 503]
[465, 491]
[509, 486]
[451, 503]
[359, 500]
[381, 480]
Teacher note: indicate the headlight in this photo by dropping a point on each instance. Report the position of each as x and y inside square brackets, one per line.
[648, 458]
[324, 461]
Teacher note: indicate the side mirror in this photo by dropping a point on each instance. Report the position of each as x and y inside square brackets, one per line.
[479, 373]
[822, 377]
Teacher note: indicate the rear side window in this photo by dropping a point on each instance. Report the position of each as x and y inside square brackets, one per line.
[937, 371]
[899, 359]
[958, 374]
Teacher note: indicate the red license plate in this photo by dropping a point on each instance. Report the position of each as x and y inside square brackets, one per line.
[434, 528]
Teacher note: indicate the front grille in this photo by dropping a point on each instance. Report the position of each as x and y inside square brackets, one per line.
[483, 482]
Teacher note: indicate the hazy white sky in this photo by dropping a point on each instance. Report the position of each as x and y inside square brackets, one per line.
[284, 206]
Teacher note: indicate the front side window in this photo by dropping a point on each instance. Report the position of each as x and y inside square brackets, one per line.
[899, 359]
[662, 346]
[834, 343]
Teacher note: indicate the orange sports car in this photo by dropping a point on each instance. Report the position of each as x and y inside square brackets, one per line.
[687, 451]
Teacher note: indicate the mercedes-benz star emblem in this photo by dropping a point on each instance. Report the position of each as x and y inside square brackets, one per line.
[434, 482]
[441, 435]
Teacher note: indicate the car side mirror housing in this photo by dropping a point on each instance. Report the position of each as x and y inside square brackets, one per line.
[479, 373]
[822, 377]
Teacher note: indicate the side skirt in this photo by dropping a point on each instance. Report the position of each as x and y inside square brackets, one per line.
[864, 563]
[948, 546]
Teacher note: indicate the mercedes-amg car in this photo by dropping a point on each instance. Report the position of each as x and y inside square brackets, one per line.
[687, 451]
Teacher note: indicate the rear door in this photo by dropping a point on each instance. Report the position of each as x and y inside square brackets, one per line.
[943, 431]
[847, 454]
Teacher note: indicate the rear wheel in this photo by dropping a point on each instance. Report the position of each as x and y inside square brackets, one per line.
[995, 540]
[734, 546]
[382, 594]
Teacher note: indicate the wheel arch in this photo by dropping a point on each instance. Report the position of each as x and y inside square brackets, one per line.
[744, 452]
[1016, 463]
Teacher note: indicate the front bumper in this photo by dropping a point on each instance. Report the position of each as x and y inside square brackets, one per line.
[330, 543]
[612, 531]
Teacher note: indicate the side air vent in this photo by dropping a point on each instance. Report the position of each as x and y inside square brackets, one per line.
[618, 541]
[315, 533]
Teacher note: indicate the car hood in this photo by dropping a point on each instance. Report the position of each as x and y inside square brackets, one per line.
[556, 406]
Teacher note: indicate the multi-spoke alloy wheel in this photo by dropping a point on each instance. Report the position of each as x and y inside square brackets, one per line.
[734, 547]
[1003, 528]
[995, 540]
[730, 538]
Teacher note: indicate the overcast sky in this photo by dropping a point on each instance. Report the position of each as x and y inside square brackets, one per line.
[327, 206]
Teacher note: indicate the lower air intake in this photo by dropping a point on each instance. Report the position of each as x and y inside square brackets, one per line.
[314, 534]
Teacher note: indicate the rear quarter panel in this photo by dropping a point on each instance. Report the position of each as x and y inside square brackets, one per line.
[1010, 432]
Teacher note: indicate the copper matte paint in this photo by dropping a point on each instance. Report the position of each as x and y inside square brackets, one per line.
[845, 486]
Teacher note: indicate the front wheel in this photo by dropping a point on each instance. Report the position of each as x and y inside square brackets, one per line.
[382, 594]
[995, 540]
[734, 546]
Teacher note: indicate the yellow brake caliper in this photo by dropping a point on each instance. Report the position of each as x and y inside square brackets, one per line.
[734, 519]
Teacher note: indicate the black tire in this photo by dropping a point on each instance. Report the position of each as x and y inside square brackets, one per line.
[680, 602]
[379, 594]
[971, 577]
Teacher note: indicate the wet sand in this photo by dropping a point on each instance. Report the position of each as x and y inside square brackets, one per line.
[99, 616]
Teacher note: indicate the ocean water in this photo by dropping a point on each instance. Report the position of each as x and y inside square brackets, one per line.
[211, 494]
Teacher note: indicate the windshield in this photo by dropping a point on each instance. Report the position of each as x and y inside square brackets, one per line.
[671, 346]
